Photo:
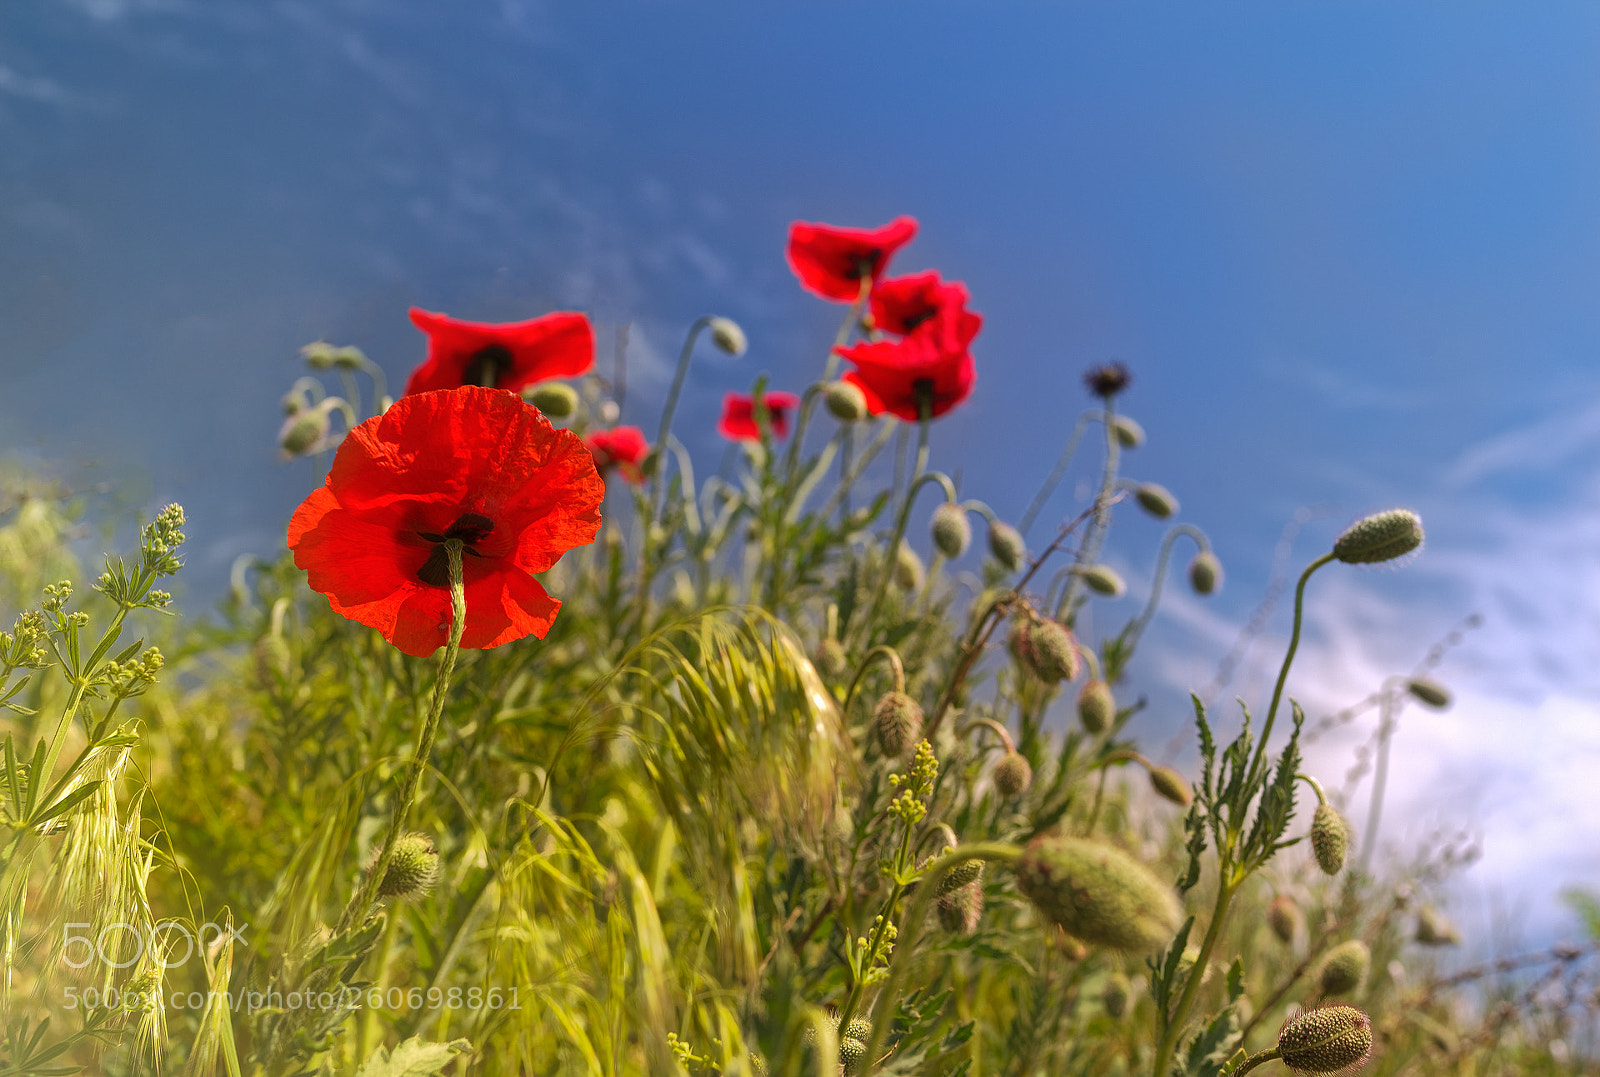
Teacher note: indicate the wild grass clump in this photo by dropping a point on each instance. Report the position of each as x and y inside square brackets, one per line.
[783, 789]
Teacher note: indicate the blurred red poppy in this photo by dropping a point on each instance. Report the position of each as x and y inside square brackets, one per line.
[473, 464]
[623, 448]
[900, 304]
[832, 261]
[738, 421]
[510, 355]
[931, 362]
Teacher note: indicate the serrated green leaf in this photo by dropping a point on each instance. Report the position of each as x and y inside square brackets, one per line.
[412, 1058]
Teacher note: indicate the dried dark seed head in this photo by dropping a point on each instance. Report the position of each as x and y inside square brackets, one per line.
[1108, 380]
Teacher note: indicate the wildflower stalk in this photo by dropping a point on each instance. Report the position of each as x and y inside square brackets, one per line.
[1283, 674]
[829, 369]
[1062, 462]
[660, 492]
[927, 892]
[1380, 773]
[1100, 521]
[362, 903]
[925, 406]
[1258, 1059]
[1128, 638]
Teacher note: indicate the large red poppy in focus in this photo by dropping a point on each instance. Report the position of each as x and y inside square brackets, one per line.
[738, 422]
[832, 261]
[510, 355]
[931, 361]
[623, 447]
[473, 464]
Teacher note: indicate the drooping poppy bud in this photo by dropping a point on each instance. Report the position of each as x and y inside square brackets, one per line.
[556, 399]
[1330, 838]
[1045, 648]
[1156, 499]
[908, 570]
[1129, 434]
[1429, 692]
[1285, 918]
[1012, 775]
[952, 533]
[726, 334]
[1380, 537]
[1326, 1040]
[1097, 893]
[1344, 968]
[897, 723]
[1115, 994]
[1005, 543]
[846, 402]
[961, 909]
[1205, 573]
[1169, 784]
[1096, 706]
[1104, 580]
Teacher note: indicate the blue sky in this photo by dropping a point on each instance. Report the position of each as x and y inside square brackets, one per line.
[1349, 251]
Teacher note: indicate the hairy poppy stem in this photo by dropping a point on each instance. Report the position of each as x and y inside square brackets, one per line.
[893, 551]
[1089, 551]
[362, 903]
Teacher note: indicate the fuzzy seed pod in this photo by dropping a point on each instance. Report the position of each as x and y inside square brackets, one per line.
[1096, 706]
[952, 533]
[1045, 648]
[960, 910]
[846, 402]
[963, 874]
[1097, 893]
[1104, 580]
[852, 1052]
[726, 334]
[1007, 546]
[1429, 692]
[1433, 929]
[1012, 775]
[1130, 435]
[303, 431]
[1344, 968]
[897, 721]
[1169, 784]
[1156, 499]
[412, 869]
[830, 658]
[1330, 838]
[1115, 994]
[908, 570]
[859, 1028]
[1285, 918]
[1326, 1040]
[1205, 573]
[1380, 537]
[556, 399]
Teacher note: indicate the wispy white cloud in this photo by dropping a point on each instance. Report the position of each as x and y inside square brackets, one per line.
[1543, 444]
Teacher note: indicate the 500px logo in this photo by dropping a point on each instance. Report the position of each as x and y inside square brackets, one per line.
[161, 941]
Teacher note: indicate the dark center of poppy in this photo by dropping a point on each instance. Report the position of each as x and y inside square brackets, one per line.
[911, 321]
[486, 365]
[867, 263]
[469, 528]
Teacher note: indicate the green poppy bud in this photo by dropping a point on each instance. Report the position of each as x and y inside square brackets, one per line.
[1344, 968]
[319, 355]
[1285, 918]
[960, 910]
[952, 533]
[1429, 692]
[304, 431]
[1205, 573]
[1005, 543]
[859, 1028]
[1130, 435]
[412, 869]
[852, 1052]
[726, 334]
[1115, 994]
[1156, 499]
[1326, 1040]
[1380, 537]
[1330, 838]
[1104, 580]
[1097, 707]
[1012, 775]
[830, 658]
[897, 722]
[1097, 893]
[1433, 929]
[845, 401]
[963, 874]
[556, 399]
[1169, 784]
[908, 570]
[1045, 648]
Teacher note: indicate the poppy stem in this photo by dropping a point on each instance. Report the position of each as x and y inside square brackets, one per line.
[362, 903]
[1099, 523]
[892, 553]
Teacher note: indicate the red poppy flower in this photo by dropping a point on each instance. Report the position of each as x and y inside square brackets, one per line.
[624, 448]
[506, 356]
[900, 304]
[932, 361]
[831, 261]
[473, 464]
[738, 421]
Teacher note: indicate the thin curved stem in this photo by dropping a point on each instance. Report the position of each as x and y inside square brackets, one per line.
[1101, 521]
[1256, 1060]
[1288, 660]
[1062, 462]
[895, 667]
[1129, 637]
[670, 407]
[893, 553]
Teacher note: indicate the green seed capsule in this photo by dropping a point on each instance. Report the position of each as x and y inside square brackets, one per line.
[1005, 543]
[845, 401]
[1156, 499]
[1012, 775]
[908, 570]
[1130, 435]
[726, 334]
[1429, 692]
[897, 722]
[1205, 573]
[1285, 918]
[413, 868]
[963, 874]
[1169, 784]
[1326, 1040]
[1115, 994]
[1330, 838]
[1045, 648]
[556, 399]
[1104, 580]
[1344, 968]
[1097, 707]
[952, 533]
